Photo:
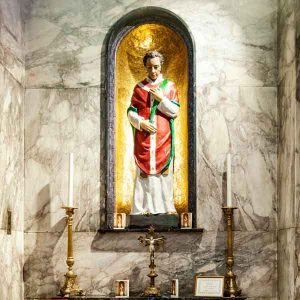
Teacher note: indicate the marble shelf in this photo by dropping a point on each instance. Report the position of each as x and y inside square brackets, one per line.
[138, 298]
[153, 298]
[177, 230]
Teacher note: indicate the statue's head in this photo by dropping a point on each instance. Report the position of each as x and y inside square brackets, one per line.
[153, 61]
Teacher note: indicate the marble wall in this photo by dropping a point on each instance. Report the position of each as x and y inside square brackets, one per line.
[12, 39]
[236, 83]
[11, 149]
[288, 153]
[297, 20]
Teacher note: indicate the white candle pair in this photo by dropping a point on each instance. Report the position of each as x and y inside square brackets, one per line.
[71, 180]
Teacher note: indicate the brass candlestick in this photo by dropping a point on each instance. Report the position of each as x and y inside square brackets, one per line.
[70, 287]
[230, 287]
[152, 240]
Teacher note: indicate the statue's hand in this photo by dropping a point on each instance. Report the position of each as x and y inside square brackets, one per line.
[158, 94]
[147, 126]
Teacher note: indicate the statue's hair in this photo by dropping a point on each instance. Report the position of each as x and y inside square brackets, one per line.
[153, 54]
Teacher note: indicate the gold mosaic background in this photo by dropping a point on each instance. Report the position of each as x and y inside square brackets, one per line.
[129, 71]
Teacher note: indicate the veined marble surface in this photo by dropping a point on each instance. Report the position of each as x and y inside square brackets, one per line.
[11, 38]
[297, 16]
[287, 158]
[235, 41]
[12, 71]
[64, 40]
[297, 164]
[297, 247]
[11, 265]
[247, 118]
[98, 262]
[287, 265]
[11, 150]
[287, 115]
[58, 122]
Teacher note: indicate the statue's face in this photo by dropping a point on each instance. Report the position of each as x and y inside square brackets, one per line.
[153, 67]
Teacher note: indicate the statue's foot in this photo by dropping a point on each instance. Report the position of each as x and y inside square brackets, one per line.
[172, 213]
[146, 213]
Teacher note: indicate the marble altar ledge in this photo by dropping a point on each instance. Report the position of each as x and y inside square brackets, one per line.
[136, 298]
[133, 298]
[153, 298]
[103, 230]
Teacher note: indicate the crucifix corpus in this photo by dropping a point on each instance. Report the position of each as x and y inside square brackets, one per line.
[153, 240]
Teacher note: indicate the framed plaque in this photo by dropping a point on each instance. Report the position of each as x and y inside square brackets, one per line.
[186, 220]
[119, 221]
[174, 288]
[122, 288]
[209, 286]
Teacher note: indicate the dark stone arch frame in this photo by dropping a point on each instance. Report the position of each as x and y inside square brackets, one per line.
[128, 22]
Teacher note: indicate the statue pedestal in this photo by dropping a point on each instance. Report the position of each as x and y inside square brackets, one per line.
[159, 221]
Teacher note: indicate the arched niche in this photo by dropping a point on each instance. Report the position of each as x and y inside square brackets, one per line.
[129, 29]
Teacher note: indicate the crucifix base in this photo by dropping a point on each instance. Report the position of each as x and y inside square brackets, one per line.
[152, 291]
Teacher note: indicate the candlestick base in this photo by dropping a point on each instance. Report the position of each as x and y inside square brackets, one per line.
[230, 287]
[152, 291]
[71, 288]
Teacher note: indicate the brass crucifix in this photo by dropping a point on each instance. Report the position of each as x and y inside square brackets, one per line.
[153, 241]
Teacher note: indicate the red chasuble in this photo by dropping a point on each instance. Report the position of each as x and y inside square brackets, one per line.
[153, 152]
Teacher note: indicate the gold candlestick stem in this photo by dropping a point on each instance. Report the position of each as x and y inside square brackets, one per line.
[70, 287]
[230, 286]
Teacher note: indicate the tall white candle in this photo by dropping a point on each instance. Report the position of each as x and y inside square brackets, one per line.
[229, 199]
[71, 179]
